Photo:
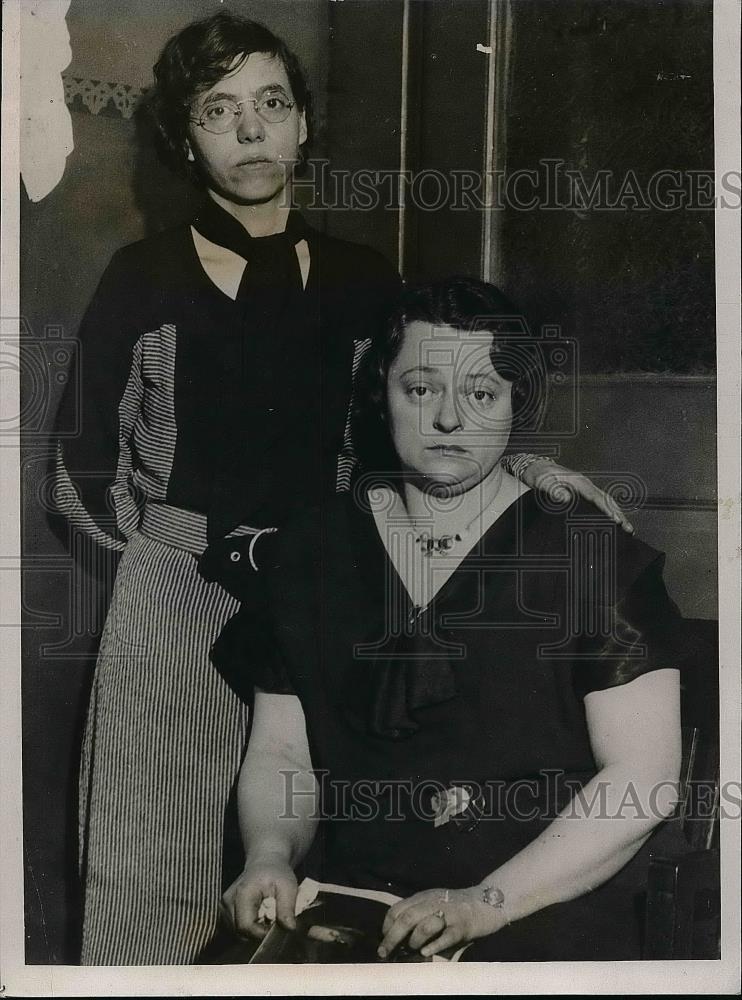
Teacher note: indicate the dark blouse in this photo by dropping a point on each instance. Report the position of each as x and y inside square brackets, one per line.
[167, 361]
[482, 691]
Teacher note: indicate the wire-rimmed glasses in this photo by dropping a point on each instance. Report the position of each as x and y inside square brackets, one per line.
[223, 115]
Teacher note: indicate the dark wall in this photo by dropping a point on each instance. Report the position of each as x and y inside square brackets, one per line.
[625, 88]
[365, 78]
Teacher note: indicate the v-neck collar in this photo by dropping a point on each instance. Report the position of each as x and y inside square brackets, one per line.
[412, 671]
[374, 561]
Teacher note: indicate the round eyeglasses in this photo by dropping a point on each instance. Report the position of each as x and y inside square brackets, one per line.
[223, 115]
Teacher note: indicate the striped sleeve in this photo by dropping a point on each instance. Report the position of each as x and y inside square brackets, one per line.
[369, 306]
[517, 463]
[347, 459]
[69, 504]
[102, 395]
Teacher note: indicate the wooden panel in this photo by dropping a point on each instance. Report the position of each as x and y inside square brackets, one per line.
[659, 429]
[447, 119]
[446, 92]
[624, 88]
[658, 436]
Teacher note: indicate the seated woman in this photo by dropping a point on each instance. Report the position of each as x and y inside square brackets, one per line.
[479, 689]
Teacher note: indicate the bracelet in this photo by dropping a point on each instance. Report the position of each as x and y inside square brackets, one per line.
[495, 897]
[255, 537]
[516, 465]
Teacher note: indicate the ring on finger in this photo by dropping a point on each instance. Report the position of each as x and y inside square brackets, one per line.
[441, 916]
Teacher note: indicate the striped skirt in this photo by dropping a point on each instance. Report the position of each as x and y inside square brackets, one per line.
[164, 741]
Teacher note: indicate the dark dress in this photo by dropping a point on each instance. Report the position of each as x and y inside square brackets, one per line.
[483, 692]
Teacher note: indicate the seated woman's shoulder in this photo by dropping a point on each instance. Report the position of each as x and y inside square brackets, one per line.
[557, 524]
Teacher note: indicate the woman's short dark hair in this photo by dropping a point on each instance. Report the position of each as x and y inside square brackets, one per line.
[198, 57]
[464, 304]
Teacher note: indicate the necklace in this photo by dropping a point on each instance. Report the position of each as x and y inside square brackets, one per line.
[437, 546]
[432, 545]
[442, 545]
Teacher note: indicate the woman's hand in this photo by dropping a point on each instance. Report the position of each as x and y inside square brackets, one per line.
[560, 483]
[267, 877]
[438, 919]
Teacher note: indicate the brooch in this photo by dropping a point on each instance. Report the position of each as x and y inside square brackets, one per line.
[454, 803]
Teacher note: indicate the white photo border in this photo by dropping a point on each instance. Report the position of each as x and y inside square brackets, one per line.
[600, 978]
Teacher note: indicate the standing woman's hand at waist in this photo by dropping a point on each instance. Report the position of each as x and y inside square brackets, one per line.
[264, 878]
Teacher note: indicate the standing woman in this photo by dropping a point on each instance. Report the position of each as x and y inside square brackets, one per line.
[217, 362]
[194, 366]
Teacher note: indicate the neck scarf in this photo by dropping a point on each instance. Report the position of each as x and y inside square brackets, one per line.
[272, 265]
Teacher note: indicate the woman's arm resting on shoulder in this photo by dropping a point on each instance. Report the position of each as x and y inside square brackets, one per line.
[635, 736]
[278, 808]
[542, 473]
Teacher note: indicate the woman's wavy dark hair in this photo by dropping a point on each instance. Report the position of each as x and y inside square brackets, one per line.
[464, 304]
[193, 61]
